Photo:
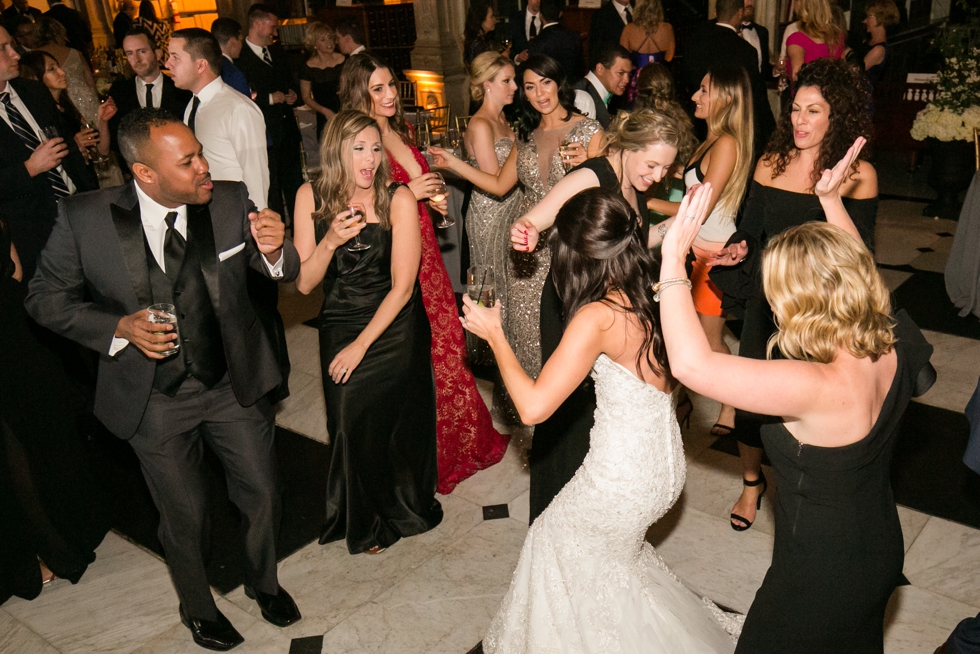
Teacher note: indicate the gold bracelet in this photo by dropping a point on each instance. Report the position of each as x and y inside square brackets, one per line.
[667, 283]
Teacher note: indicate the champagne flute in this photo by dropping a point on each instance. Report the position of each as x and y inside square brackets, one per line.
[441, 194]
[49, 132]
[455, 140]
[422, 135]
[564, 151]
[93, 150]
[357, 246]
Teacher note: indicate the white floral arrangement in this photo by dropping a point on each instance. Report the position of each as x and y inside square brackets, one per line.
[946, 124]
[954, 111]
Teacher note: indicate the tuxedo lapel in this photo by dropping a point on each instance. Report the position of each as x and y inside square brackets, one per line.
[200, 236]
[132, 243]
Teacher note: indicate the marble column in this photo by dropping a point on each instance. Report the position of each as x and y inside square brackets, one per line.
[439, 47]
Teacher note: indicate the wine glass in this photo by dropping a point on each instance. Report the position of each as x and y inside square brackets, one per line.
[93, 150]
[50, 132]
[455, 140]
[422, 135]
[355, 211]
[564, 151]
[441, 193]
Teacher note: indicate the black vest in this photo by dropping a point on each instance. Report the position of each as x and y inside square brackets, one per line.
[601, 111]
[202, 352]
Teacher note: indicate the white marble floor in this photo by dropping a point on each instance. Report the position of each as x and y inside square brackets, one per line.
[437, 593]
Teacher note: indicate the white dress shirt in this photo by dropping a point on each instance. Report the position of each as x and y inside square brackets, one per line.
[528, 17]
[752, 38]
[232, 130]
[26, 113]
[583, 99]
[156, 92]
[153, 217]
[356, 50]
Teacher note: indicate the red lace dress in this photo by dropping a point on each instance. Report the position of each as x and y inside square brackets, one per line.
[466, 439]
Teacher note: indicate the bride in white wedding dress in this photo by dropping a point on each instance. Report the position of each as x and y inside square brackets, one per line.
[586, 580]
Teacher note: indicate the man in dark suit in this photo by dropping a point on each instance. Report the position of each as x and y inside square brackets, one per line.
[268, 73]
[608, 22]
[173, 236]
[522, 27]
[758, 37]
[558, 42]
[124, 21]
[228, 33]
[719, 43]
[20, 8]
[609, 77]
[35, 171]
[149, 84]
[76, 26]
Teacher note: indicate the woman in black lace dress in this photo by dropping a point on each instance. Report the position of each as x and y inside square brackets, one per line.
[51, 508]
[374, 341]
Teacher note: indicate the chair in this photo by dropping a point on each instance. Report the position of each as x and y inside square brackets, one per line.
[462, 123]
[438, 119]
[407, 92]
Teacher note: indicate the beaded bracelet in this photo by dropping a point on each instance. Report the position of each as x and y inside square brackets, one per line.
[660, 286]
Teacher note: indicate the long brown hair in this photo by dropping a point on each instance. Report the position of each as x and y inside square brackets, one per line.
[335, 185]
[354, 93]
[597, 248]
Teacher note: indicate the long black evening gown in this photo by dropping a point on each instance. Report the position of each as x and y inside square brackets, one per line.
[382, 475]
[562, 441]
[838, 549]
[768, 212]
[50, 504]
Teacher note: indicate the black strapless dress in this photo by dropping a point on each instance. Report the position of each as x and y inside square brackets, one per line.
[382, 475]
[562, 441]
[838, 551]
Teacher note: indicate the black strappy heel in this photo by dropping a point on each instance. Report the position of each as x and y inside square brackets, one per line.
[758, 502]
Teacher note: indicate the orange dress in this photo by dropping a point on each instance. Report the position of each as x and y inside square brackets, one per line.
[466, 439]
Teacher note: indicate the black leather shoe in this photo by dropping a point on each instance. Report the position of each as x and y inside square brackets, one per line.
[218, 634]
[279, 609]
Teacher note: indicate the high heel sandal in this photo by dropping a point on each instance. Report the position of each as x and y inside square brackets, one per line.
[683, 411]
[758, 501]
[375, 550]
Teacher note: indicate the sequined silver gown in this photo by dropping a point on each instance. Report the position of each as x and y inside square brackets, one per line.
[488, 222]
[587, 581]
[539, 168]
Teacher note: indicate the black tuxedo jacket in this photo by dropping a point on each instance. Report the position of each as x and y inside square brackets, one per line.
[564, 46]
[763, 33]
[280, 122]
[716, 45]
[79, 32]
[518, 37]
[93, 271]
[123, 92]
[12, 13]
[27, 202]
[606, 27]
[601, 110]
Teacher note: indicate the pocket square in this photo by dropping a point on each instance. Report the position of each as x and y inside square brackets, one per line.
[227, 254]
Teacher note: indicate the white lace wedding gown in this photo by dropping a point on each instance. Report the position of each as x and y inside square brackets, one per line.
[586, 580]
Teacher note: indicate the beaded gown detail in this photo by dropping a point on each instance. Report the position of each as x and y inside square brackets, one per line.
[466, 439]
[587, 581]
[488, 224]
[82, 96]
[539, 168]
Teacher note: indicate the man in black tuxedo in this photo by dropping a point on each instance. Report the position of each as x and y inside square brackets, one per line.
[148, 84]
[77, 28]
[758, 37]
[123, 21]
[558, 42]
[522, 27]
[267, 72]
[35, 172]
[609, 77]
[20, 8]
[608, 22]
[719, 43]
[173, 236]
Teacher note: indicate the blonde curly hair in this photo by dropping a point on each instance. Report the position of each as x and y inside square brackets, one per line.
[826, 294]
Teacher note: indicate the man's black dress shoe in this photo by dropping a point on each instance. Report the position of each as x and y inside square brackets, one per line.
[279, 609]
[218, 634]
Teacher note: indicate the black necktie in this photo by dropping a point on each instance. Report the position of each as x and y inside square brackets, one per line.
[173, 247]
[266, 57]
[629, 16]
[533, 32]
[26, 133]
[149, 97]
[195, 103]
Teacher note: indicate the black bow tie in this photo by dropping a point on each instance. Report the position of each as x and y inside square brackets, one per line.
[748, 26]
